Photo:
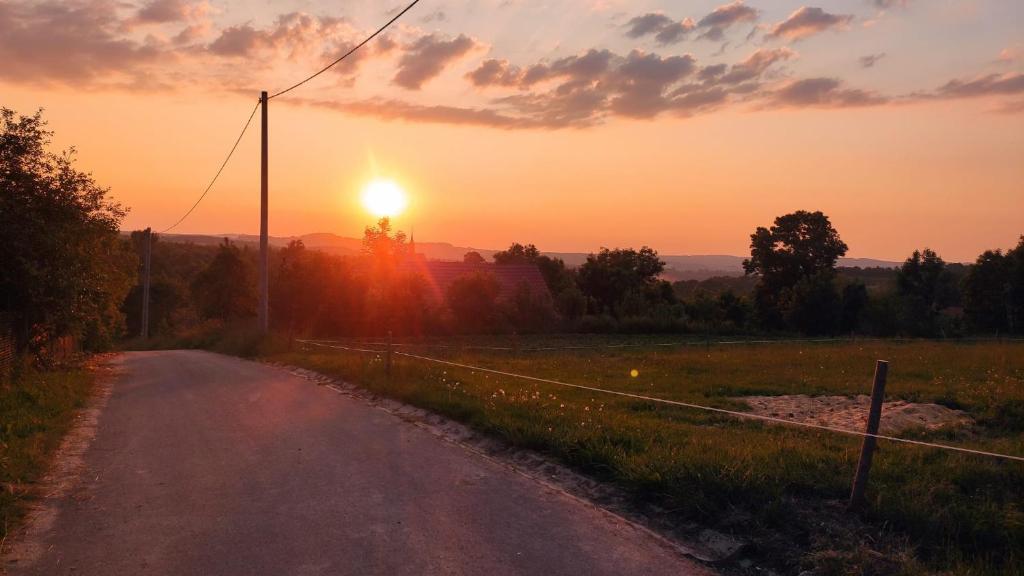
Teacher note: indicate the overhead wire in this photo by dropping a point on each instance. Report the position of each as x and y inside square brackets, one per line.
[275, 95]
[346, 54]
[219, 170]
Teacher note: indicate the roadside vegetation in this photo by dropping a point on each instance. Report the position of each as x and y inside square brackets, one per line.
[783, 488]
[36, 409]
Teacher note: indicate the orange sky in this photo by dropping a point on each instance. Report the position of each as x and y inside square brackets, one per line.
[893, 168]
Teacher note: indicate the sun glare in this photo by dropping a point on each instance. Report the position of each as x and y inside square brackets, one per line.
[384, 198]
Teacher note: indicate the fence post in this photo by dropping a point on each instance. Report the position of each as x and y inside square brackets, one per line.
[387, 356]
[867, 450]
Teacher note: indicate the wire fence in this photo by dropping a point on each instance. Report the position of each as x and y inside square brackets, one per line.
[665, 401]
[670, 344]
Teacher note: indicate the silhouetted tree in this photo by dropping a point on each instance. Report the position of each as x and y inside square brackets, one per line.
[473, 302]
[854, 303]
[65, 270]
[800, 248]
[517, 254]
[617, 279]
[924, 287]
[473, 257]
[813, 306]
[226, 289]
[1016, 301]
[987, 292]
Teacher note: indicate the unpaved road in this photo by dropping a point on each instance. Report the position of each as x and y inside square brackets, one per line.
[205, 464]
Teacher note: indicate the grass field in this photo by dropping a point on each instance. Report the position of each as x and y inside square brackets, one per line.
[35, 412]
[784, 488]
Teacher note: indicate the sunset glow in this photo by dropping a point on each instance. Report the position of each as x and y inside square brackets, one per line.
[384, 198]
[610, 123]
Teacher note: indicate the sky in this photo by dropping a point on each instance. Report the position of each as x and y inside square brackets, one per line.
[570, 124]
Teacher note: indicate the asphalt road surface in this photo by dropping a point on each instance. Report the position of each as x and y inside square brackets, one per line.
[206, 464]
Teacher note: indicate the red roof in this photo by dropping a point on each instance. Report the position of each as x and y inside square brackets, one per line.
[440, 275]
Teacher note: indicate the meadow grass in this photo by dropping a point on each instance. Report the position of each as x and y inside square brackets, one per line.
[928, 509]
[36, 410]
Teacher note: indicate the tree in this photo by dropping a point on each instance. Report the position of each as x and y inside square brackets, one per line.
[381, 245]
[613, 278]
[924, 287]
[854, 304]
[473, 257]
[557, 277]
[813, 306]
[65, 270]
[987, 292]
[802, 246]
[226, 289]
[517, 254]
[1016, 296]
[473, 301]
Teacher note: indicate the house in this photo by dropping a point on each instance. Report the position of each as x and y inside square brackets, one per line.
[439, 275]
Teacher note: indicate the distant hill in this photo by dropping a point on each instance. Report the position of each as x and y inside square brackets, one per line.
[678, 267]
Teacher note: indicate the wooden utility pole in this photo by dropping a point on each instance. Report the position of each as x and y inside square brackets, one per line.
[264, 306]
[148, 252]
[867, 451]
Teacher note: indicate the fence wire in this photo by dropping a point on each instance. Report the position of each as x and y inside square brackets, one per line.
[666, 401]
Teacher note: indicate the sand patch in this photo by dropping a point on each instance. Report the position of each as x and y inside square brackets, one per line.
[851, 413]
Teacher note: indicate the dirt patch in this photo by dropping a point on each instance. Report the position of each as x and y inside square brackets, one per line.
[851, 413]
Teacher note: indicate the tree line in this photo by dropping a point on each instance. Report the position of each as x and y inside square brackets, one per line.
[67, 270]
[792, 286]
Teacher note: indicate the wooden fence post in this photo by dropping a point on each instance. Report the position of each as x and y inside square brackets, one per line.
[867, 450]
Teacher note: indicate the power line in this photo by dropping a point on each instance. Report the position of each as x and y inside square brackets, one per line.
[347, 54]
[217, 175]
[682, 404]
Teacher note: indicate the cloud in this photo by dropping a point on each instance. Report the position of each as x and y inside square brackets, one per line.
[70, 42]
[756, 64]
[664, 29]
[494, 72]
[585, 89]
[646, 24]
[886, 4]
[870, 60]
[435, 16]
[427, 57]
[638, 85]
[292, 34]
[387, 109]
[989, 85]
[725, 16]
[162, 11]
[808, 21]
[822, 93]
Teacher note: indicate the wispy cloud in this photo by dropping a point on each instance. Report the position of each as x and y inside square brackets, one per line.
[869, 60]
[720, 19]
[807, 21]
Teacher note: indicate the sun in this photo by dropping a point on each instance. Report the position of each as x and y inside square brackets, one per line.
[384, 198]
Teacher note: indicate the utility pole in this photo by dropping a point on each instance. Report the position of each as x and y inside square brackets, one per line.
[264, 306]
[148, 239]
